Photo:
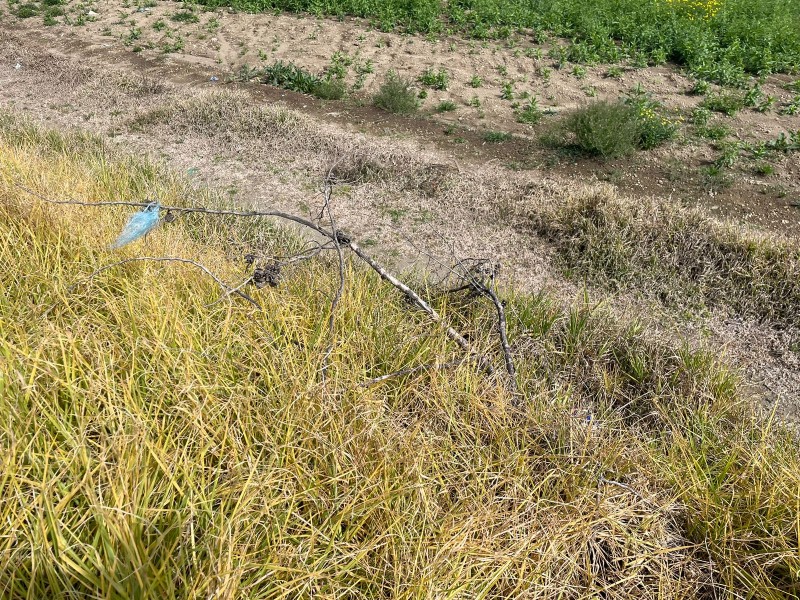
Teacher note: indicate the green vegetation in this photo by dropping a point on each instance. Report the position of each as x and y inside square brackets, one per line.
[438, 80]
[719, 40]
[615, 129]
[396, 95]
[446, 106]
[494, 137]
[605, 129]
[530, 114]
[158, 443]
[292, 77]
[728, 103]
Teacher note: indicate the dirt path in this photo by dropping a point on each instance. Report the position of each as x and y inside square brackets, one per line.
[411, 194]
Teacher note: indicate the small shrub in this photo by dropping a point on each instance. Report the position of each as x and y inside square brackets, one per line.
[329, 89]
[446, 106]
[604, 129]
[396, 95]
[438, 80]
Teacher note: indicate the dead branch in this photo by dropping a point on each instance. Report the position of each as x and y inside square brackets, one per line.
[328, 190]
[412, 370]
[226, 288]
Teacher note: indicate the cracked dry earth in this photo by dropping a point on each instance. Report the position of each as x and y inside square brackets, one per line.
[430, 207]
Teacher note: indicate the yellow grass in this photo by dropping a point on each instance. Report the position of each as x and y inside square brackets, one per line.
[156, 443]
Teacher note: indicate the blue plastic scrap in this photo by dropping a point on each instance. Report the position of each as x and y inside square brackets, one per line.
[139, 225]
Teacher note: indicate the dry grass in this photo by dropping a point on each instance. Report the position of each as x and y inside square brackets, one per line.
[154, 446]
[676, 255]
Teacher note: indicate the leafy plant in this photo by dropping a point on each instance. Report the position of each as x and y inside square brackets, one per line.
[531, 114]
[446, 106]
[438, 80]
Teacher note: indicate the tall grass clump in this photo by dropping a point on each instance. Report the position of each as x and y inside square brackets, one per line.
[677, 255]
[159, 441]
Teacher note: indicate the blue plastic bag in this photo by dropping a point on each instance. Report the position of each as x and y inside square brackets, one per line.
[139, 225]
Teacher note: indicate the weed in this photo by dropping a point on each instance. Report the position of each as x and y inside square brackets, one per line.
[396, 95]
[700, 87]
[495, 137]
[159, 25]
[475, 102]
[579, 71]
[507, 91]
[185, 16]
[614, 72]
[446, 106]
[437, 80]
[793, 107]
[655, 127]
[764, 169]
[475, 82]
[531, 114]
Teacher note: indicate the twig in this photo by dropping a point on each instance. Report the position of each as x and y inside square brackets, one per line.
[340, 290]
[413, 370]
[502, 329]
[228, 289]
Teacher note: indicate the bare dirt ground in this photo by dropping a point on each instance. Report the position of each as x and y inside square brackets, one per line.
[447, 193]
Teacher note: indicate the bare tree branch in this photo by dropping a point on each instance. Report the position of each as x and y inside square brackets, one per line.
[412, 370]
[454, 335]
[227, 289]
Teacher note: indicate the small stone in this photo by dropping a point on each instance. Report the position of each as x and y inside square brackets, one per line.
[91, 13]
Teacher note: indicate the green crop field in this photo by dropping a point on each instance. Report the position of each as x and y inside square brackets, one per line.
[721, 40]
